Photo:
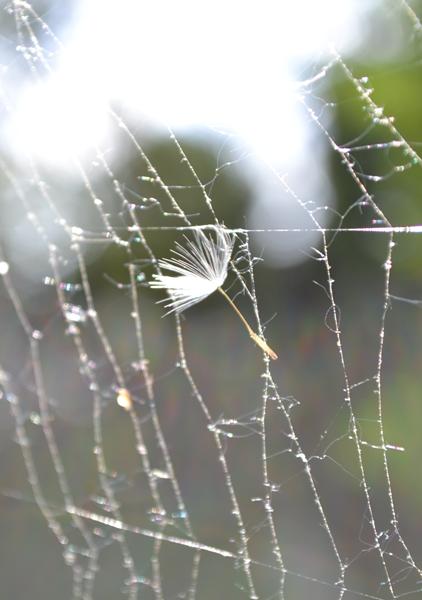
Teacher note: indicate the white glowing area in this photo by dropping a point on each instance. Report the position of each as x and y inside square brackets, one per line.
[221, 64]
[232, 66]
[55, 121]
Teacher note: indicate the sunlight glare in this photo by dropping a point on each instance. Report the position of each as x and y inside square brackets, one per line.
[217, 64]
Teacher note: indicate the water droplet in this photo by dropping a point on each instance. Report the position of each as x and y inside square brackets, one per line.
[70, 287]
[74, 313]
[99, 500]
[69, 556]
[157, 515]
[12, 398]
[98, 532]
[141, 449]
[160, 474]
[180, 514]
[35, 418]
[72, 330]
[124, 398]
[4, 267]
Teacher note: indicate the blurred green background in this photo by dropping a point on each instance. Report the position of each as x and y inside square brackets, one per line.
[226, 366]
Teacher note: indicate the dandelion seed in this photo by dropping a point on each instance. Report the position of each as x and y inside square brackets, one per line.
[201, 269]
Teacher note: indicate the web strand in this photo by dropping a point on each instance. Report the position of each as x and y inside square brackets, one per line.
[164, 454]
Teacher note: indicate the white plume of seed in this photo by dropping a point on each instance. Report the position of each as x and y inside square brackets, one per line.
[201, 269]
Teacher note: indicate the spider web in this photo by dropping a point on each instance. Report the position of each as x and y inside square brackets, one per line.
[167, 458]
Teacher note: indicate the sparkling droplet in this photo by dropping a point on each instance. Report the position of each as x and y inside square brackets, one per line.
[4, 267]
[35, 418]
[180, 514]
[302, 457]
[160, 474]
[141, 449]
[74, 313]
[69, 556]
[72, 330]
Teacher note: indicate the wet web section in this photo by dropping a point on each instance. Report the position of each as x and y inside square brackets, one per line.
[171, 457]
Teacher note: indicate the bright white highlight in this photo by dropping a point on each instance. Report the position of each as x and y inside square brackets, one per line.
[4, 267]
[230, 66]
[219, 64]
[58, 119]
